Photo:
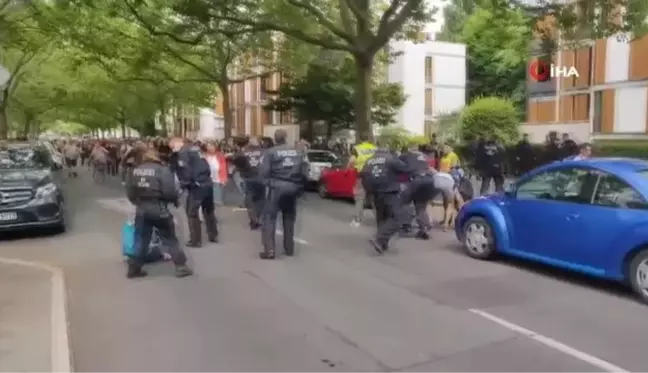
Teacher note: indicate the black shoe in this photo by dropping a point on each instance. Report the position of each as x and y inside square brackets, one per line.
[183, 271]
[213, 239]
[194, 244]
[266, 255]
[289, 252]
[135, 272]
[380, 248]
[422, 236]
[254, 226]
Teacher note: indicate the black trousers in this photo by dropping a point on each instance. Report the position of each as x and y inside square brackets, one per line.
[419, 192]
[496, 177]
[254, 199]
[165, 227]
[388, 215]
[201, 198]
[281, 198]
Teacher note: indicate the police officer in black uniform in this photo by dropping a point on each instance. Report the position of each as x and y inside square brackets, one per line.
[380, 177]
[194, 175]
[151, 188]
[492, 166]
[247, 161]
[419, 190]
[284, 172]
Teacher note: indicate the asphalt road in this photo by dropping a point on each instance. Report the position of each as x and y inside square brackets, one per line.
[334, 307]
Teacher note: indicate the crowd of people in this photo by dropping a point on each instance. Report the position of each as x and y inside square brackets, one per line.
[271, 175]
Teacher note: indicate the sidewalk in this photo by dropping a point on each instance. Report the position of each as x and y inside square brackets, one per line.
[25, 319]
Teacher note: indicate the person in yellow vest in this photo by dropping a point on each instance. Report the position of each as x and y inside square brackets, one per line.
[359, 156]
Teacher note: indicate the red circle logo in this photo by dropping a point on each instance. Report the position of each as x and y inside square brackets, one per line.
[540, 71]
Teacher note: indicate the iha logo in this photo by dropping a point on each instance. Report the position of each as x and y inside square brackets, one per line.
[543, 72]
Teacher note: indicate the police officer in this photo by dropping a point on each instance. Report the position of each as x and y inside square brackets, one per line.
[151, 189]
[284, 171]
[194, 176]
[247, 161]
[419, 190]
[381, 177]
[491, 166]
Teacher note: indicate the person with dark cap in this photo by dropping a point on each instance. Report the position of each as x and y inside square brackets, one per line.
[381, 177]
[194, 175]
[247, 161]
[284, 171]
[151, 188]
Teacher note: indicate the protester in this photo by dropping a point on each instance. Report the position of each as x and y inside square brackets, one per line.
[218, 169]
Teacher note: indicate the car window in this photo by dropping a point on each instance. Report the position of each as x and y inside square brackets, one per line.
[612, 191]
[323, 157]
[565, 184]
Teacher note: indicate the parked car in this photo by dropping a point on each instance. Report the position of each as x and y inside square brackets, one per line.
[589, 216]
[337, 181]
[31, 193]
[318, 160]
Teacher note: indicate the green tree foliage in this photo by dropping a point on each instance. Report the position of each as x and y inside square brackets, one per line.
[455, 14]
[325, 94]
[358, 27]
[490, 117]
[497, 53]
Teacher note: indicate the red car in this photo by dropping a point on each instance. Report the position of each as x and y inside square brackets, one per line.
[337, 181]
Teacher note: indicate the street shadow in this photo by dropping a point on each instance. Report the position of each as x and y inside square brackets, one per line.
[613, 288]
[27, 234]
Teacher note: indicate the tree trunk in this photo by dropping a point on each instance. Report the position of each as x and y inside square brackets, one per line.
[122, 124]
[27, 127]
[362, 97]
[163, 119]
[4, 121]
[310, 129]
[228, 117]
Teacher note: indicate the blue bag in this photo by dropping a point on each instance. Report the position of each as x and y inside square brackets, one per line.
[129, 243]
[128, 239]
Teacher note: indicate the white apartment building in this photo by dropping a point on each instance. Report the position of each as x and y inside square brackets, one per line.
[433, 77]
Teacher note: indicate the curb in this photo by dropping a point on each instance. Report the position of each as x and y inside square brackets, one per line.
[61, 355]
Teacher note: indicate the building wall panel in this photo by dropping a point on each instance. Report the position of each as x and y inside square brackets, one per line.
[638, 69]
[582, 63]
[581, 107]
[630, 113]
[607, 111]
[600, 55]
[568, 58]
[617, 61]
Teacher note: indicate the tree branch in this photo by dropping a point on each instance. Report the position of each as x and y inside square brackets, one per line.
[322, 19]
[291, 32]
[387, 28]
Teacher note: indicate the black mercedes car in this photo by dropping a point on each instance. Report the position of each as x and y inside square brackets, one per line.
[31, 195]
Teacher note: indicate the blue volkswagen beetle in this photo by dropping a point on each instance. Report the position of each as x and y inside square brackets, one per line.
[589, 216]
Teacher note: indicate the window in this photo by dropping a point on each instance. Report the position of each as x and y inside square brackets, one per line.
[598, 107]
[429, 108]
[611, 191]
[564, 185]
[429, 70]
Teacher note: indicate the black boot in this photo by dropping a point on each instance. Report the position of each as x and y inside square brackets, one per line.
[183, 271]
[422, 235]
[255, 225]
[379, 247]
[213, 239]
[267, 255]
[289, 252]
[135, 271]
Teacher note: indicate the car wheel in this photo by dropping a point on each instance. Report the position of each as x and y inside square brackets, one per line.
[322, 191]
[638, 275]
[478, 239]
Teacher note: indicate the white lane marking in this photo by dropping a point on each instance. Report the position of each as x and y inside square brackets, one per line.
[235, 209]
[61, 359]
[297, 239]
[552, 343]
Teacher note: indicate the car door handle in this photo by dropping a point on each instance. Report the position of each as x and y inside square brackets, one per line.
[572, 217]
